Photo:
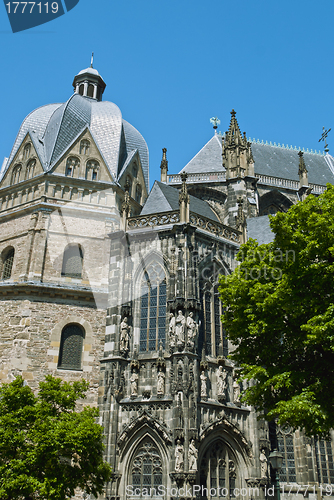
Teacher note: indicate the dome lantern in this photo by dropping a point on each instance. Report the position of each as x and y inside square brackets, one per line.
[89, 83]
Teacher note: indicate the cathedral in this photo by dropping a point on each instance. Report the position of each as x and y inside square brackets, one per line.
[105, 279]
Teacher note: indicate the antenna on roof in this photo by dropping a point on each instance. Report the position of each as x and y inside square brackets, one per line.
[92, 60]
[324, 138]
[215, 122]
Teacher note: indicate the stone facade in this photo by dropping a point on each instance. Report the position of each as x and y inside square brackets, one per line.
[101, 280]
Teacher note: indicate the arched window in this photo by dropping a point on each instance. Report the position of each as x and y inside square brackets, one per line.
[284, 437]
[138, 193]
[71, 164]
[72, 262]
[214, 334]
[324, 459]
[153, 309]
[92, 169]
[218, 472]
[90, 91]
[220, 333]
[70, 352]
[84, 147]
[146, 469]
[16, 174]
[30, 169]
[8, 260]
[128, 182]
[26, 151]
[81, 89]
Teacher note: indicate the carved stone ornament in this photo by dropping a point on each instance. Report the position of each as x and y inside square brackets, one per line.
[161, 382]
[192, 456]
[124, 336]
[179, 456]
[134, 384]
[203, 378]
[221, 383]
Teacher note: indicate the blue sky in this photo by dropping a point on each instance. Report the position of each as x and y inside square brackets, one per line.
[170, 66]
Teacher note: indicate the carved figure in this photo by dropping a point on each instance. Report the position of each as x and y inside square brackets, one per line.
[179, 452]
[203, 384]
[236, 390]
[161, 382]
[221, 381]
[172, 327]
[192, 326]
[124, 340]
[264, 463]
[134, 384]
[180, 322]
[192, 455]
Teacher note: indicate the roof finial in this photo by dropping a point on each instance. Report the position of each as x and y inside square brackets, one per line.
[324, 138]
[215, 122]
[92, 60]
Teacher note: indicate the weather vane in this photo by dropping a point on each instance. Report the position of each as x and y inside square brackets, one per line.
[92, 60]
[324, 138]
[215, 122]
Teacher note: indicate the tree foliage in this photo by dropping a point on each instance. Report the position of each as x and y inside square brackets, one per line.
[47, 449]
[280, 316]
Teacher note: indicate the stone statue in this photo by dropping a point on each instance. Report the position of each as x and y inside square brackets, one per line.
[203, 384]
[161, 382]
[179, 456]
[180, 322]
[221, 381]
[236, 390]
[264, 464]
[124, 340]
[172, 327]
[192, 326]
[134, 384]
[192, 455]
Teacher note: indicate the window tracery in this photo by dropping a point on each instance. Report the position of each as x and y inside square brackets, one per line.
[92, 169]
[153, 309]
[324, 460]
[70, 352]
[214, 333]
[26, 151]
[71, 164]
[285, 445]
[84, 147]
[16, 174]
[146, 469]
[30, 169]
[218, 472]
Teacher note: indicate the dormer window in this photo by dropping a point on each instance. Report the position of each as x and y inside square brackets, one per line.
[26, 151]
[84, 147]
[92, 169]
[71, 164]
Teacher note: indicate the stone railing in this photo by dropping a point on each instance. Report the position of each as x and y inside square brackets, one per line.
[317, 189]
[153, 220]
[215, 227]
[200, 177]
[286, 183]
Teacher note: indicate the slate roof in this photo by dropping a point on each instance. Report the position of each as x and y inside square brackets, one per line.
[259, 229]
[208, 159]
[164, 198]
[56, 126]
[269, 160]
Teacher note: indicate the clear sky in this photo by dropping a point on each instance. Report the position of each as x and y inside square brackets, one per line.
[171, 66]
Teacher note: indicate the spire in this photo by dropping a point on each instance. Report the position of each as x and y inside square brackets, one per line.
[236, 151]
[233, 135]
[164, 166]
[92, 60]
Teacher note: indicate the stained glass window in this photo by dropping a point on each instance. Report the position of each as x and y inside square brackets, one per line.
[70, 352]
[8, 264]
[286, 447]
[218, 472]
[153, 309]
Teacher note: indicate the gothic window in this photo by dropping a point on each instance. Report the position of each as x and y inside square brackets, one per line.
[135, 170]
[71, 164]
[30, 169]
[285, 445]
[84, 147]
[146, 470]
[153, 309]
[218, 473]
[220, 334]
[72, 262]
[214, 333]
[92, 169]
[138, 193]
[16, 174]
[324, 459]
[81, 89]
[128, 182]
[208, 322]
[70, 352]
[26, 151]
[8, 263]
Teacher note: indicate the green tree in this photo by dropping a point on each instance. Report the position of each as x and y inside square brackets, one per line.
[47, 449]
[280, 316]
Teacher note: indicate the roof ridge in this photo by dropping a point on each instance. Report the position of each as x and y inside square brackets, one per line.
[262, 143]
